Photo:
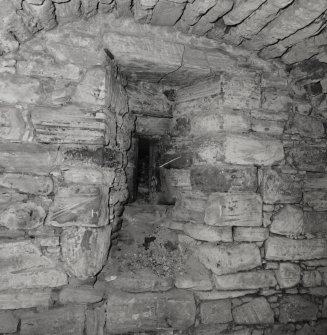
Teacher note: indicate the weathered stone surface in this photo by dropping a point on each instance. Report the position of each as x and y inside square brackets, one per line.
[280, 248]
[315, 222]
[252, 150]
[288, 275]
[234, 209]
[210, 329]
[92, 89]
[316, 199]
[149, 311]
[80, 295]
[193, 275]
[166, 12]
[193, 11]
[306, 126]
[250, 234]
[18, 89]
[95, 321]
[219, 311]
[152, 126]
[224, 178]
[207, 233]
[314, 181]
[241, 10]
[24, 299]
[79, 205]
[276, 100]
[64, 320]
[229, 258]
[256, 311]
[85, 250]
[311, 278]
[245, 280]
[288, 221]
[277, 187]
[27, 157]
[68, 124]
[8, 322]
[24, 183]
[294, 308]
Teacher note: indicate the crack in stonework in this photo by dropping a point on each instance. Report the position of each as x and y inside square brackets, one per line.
[171, 72]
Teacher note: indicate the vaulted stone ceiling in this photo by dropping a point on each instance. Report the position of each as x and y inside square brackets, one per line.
[292, 31]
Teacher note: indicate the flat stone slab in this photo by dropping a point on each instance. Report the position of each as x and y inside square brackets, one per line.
[285, 249]
[257, 311]
[295, 308]
[149, 311]
[234, 209]
[80, 295]
[16, 299]
[208, 233]
[250, 234]
[8, 322]
[245, 280]
[228, 258]
[219, 311]
[64, 320]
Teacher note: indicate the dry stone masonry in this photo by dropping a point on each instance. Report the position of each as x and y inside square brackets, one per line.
[243, 248]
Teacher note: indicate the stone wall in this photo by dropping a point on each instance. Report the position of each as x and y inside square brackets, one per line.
[249, 180]
[65, 130]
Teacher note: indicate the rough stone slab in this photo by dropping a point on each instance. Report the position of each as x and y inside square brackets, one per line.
[288, 275]
[234, 209]
[8, 322]
[229, 258]
[217, 295]
[315, 222]
[219, 311]
[296, 16]
[256, 311]
[167, 13]
[85, 250]
[24, 299]
[68, 124]
[224, 178]
[288, 221]
[149, 311]
[305, 126]
[24, 183]
[245, 280]
[316, 199]
[152, 126]
[280, 248]
[277, 187]
[295, 308]
[79, 205]
[64, 320]
[194, 276]
[250, 234]
[80, 295]
[240, 11]
[248, 150]
[207, 233]
[28, 157]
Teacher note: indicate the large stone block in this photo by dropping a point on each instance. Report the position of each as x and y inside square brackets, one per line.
[219, 311]
[277, 187]
[208, 233]
[69, 124]
[288, 221]
[24, 299]
[234, 209]
[256, 311]
[306, 126]
[315, 222]
[288, 275]
[149, 311]
[85, 250]
[295, 308]
[245, 280]
[19, 89]
[152, 126]
[224, 178]
[167, 12]
[228, 258]
[317, 200]
[248, 150]
[80, 295]
[281, 248]
[65, 320]
[250, 234]
[79, 205]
